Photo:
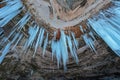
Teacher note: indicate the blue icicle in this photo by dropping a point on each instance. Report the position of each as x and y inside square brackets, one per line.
[20, 37]
[7, 48]
[45, 44]
[37, 43]
[32, 35]
[105, 35]
[10, 11]
[75, 41]
[72, 50]
[4, 52]
[88, 40]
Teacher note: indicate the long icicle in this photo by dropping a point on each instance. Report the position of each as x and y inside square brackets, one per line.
[32, 35]
[72, 50]
[18, 27]
[105, 35]
[8, 12]
[75, 41]
[45, 44]
[88, 40]
[7, 48]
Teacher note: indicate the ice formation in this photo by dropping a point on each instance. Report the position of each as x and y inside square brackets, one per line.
[106, 24]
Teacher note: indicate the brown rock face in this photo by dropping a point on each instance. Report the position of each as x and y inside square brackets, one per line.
[64, 13]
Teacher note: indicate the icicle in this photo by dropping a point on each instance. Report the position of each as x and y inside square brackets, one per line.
[110, 21]
[75, 41]
[1, 31]
[20, 37]
[72, 50]
[91, 34]
[88, 40]
[32, 35]
[106, 35]
[23, 21]
[37, 43]
[53, 45]
[59, 49]
[10, 11]
[58, 53]
[4, 52]
[64, 51]
[18, 26]
[7, 48]
[41, 37]
[117, 3]
[45, 44]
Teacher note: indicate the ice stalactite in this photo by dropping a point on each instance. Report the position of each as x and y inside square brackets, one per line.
[108, 28]
[7, 47]
[17, 27]
[1, 31]
[45, 44]
[89, 39]
[33, 30]
[72, 49]
[60, 48]
[117, 3]
[4, 52]
[18, 40]
[75, 41]
[9, 11]
[52, 45]
[39, 39]
[16, 36]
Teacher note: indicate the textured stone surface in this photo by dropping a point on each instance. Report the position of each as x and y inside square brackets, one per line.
[55, 13]
[104, 65]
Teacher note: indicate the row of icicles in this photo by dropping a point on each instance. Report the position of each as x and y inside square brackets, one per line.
[105, 25]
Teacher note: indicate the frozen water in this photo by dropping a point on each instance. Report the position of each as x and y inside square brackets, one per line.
[75, 41]
[8, 12]
[72, 49]
[33, 30]
[60, 48]
[45, 44]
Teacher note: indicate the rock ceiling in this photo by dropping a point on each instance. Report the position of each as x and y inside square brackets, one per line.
[59, 14]
[63, 13]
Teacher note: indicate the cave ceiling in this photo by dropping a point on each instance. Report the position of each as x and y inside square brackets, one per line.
[63, 13]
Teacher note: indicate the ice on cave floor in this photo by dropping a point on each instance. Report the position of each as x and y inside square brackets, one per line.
[8, 12]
